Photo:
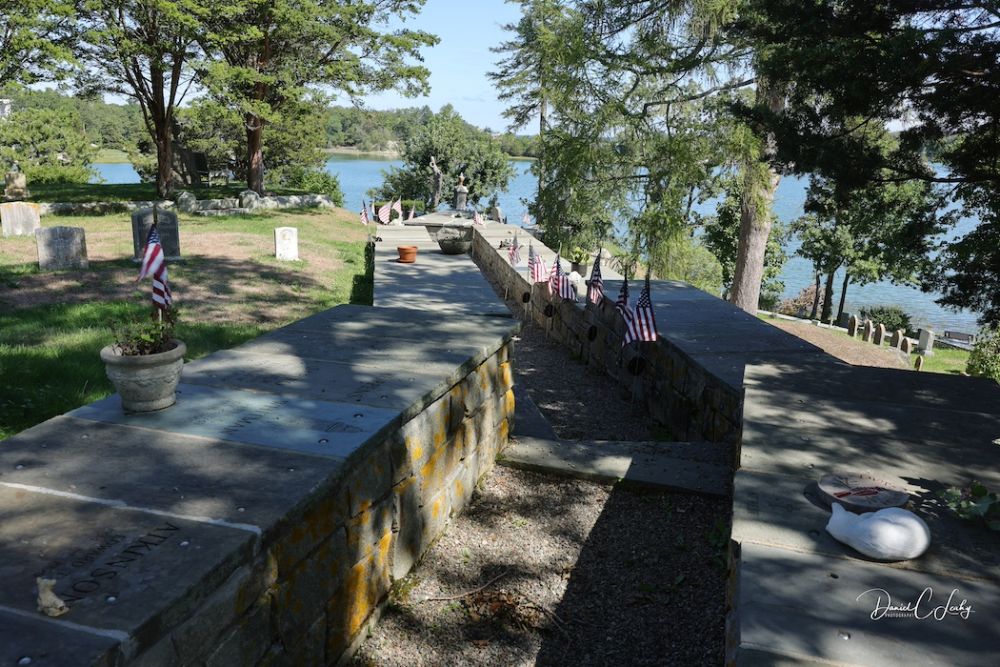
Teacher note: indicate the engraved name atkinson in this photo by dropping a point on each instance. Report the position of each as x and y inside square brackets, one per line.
[79, 586]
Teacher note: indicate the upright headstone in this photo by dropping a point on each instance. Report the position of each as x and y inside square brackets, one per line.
[249, 199]
[142, 220]
[919, 363]
[907, 346]
[61, 248]
[926, 343]
[461, 194]
[852, 326]
[844, 319]
[286, 243]
[187, 202]
[879, 337]
[898, 336]
[19, 218]
[15, 185]
[869, 331]
[497, 213]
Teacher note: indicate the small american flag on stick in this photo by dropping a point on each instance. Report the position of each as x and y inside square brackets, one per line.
[536, 265]
[525, 220]
[155, 264]
[364, 213]
[477, 219]
[627, 315]
[398, 208]
[559, 282]
[514, 252]
[595, 291]
[645, 320]
[384, 211]
[412, 213]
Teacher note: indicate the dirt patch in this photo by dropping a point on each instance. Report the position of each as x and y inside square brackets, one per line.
[853, 351]
[588, 575]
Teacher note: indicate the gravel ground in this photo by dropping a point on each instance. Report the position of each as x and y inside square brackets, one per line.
[855, 352]
[589, 575]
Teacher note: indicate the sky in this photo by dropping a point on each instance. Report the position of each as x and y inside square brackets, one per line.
[459, 63]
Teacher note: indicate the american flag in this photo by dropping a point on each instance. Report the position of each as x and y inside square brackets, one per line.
[525, 220]
[595, 291]
[384, 211]
[364, 213]
[476, 218]
[627, 315]
[514, 252]
[645, 321]
[559, 282]
[412, 213]
[398, 208]
[536, 265]
[154, 264]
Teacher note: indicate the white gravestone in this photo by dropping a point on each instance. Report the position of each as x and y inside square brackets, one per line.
[61, 248]
[925, 345]
[286, 243]
[19, 218]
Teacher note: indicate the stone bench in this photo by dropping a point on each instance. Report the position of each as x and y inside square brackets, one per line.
[264, 517]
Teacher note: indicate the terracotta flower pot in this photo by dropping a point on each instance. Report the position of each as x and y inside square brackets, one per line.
[407, 254]
[145, 382]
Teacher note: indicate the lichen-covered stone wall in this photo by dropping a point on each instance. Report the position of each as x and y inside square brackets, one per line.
[678, 392]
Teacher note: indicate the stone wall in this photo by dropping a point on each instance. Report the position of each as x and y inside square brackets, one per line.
[311, 591]
[679, 393]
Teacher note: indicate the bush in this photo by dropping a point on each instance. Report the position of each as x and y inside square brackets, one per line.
[313, 181]
[893, 317]
[801, 304]
[985, 358]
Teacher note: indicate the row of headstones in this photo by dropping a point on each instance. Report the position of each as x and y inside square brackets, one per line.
[876, 334]
[62, 248]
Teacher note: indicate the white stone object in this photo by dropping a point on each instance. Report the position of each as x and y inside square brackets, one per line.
[61, 248]
[925, 345]
[249, 199]
[891, 534]
[187, 202]
[576, 280]
[286, 243]
[19, 218]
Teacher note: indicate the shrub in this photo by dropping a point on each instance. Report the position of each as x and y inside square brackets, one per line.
[985, 358]
[801, 304]
[893, 317]
[313, 181]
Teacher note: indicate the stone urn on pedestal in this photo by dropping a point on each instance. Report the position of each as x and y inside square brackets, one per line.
[461, 194]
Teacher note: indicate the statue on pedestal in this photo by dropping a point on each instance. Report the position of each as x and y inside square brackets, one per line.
[436, 187]
[461, 194]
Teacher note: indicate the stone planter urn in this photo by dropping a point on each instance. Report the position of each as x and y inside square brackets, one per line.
[455, 240]
[145, 382]
[407, 254]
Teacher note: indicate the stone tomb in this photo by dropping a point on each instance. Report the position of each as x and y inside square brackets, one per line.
[61, 248]
[19, 218]
[142, 220]
[286, 243]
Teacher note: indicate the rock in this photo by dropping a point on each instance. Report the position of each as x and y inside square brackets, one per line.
[249, 199]
[187, 202]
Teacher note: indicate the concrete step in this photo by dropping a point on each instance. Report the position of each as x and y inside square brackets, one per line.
[650, 464]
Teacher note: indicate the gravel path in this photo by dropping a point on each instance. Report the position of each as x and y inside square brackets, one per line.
[854, 351]
[589, 574]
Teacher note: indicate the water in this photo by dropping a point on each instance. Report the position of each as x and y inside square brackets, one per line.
[358, 174]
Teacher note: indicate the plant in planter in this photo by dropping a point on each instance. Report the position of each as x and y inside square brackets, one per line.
[579, 260]
[144, 363]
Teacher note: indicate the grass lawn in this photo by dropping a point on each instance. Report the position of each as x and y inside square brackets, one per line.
[946, 360]
[111, 156]
[229, 288]
[95, 192]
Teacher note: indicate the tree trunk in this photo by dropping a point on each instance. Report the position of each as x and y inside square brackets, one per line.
[828, 296]
[843, 292]
[255, 154]
[755, 228]
[815, 308]
[759, 184]
[164, 159]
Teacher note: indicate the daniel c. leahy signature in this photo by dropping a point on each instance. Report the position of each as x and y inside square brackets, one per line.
[921, 609]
